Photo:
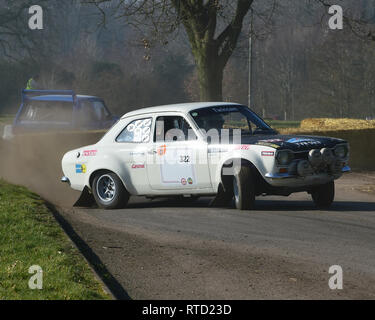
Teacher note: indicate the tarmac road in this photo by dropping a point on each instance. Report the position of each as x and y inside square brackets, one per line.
[281, 250]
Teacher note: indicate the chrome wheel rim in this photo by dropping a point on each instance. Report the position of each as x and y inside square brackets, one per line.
[106, 188]
[235, 190]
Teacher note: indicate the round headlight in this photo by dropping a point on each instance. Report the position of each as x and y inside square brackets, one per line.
[341, 151]
[284, 157]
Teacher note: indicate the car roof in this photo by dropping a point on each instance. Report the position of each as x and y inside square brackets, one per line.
[60, 97]
[181, 107]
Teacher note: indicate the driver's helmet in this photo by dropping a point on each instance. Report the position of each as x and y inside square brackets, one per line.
[215, 122]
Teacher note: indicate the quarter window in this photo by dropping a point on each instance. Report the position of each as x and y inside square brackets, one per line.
[137, 131]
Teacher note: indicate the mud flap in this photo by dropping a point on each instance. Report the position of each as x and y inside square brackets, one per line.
[86, 199]
[223, 198]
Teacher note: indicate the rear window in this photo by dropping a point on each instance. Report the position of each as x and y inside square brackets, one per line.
[47, 112]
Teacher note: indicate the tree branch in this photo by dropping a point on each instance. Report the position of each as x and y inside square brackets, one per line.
[227, 40]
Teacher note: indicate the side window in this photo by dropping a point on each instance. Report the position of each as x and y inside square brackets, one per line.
[137, 131]
[173, 128]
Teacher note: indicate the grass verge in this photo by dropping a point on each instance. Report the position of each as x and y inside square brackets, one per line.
[31, 236]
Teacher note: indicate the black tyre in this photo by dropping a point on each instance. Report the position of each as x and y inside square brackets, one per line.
[244, 189]
[109, 191]
[324, 195]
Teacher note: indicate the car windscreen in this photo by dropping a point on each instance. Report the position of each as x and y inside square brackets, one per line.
[230, 117]
[53, 112]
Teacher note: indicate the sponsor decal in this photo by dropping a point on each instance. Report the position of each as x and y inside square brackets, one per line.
[81, 168]
[89, 153]
[162, 150]
[304, 141]
[242, 147]
[268, 144]
[190, 181]
[268, 153]
[138, 166]
[183, 181]
[299, 140]
[224, 109]
[271, 140]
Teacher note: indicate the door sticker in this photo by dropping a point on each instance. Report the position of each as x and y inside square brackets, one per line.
[176, 166]
[162, 150]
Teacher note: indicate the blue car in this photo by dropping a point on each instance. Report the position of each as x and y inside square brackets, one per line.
[46, 110]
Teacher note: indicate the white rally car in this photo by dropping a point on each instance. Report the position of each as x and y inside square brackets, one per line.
[203, 149]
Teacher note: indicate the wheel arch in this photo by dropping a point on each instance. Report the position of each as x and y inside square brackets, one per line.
[103, 170]
[226, 179]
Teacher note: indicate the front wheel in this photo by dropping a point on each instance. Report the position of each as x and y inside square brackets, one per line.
[324, 195]
[244, 189]
[109, 191]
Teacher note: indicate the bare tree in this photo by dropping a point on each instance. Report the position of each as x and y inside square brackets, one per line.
[11, 29]
[213, 28]
[360, 18]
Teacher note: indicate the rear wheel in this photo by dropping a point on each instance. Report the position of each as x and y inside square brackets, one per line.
[244, 189]
[109, 191]
[324, 195]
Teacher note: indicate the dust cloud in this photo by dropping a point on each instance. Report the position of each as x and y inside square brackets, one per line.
[34, 161]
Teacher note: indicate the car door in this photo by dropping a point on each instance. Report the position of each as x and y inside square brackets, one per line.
[177, 159]
[131, 147]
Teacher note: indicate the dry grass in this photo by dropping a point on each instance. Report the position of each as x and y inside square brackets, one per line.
[329, 124]
[368, 188]
[337, 124]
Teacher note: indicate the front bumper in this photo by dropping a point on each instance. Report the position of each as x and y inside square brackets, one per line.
[65, 180]
[345, 169]
[286, 179]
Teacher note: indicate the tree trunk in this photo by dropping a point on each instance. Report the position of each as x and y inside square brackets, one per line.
[210, 76]
[211, 54]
